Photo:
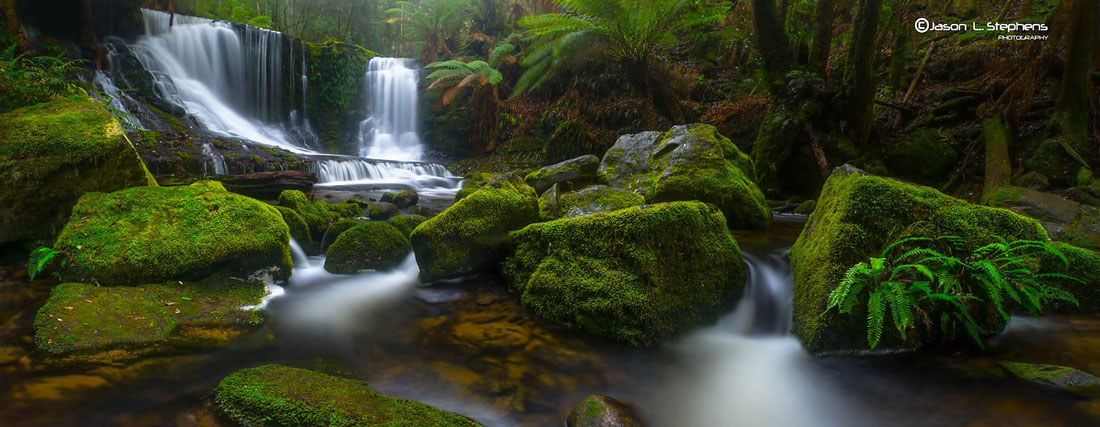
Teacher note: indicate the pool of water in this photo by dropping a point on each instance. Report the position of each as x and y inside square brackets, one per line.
[470, 348]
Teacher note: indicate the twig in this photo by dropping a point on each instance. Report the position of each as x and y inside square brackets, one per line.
[920, 69]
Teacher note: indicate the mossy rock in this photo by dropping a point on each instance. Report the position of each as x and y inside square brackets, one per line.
[806, 208]
[695, 162]
[468, 236]
[924, 156]
[407, 223]
[298, 228]
[282, 395]
[1059, 377]
[638, 275]
[50, 155]
[586, 201]
[154, 234]
[81, 318]
[626, 163]
[336, 229]
[318, 214]
[569, 173]
[473, 181]
[1064, 219]
[402, 199]
[373, 245]
[856, 216]
[1084, 265]
[382, 211]
[600, 410]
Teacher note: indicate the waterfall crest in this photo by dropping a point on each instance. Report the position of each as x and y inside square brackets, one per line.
[389, 133]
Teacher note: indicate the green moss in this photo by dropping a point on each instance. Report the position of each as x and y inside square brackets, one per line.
[468, 236]
[50, 155]
[318, 214]
[371, 245]
[463, 192]
[806, 208]
[298, 228]
[1084, 264]
[402, 199]
[335, 80]
[855, 217]
[637, 275]
[168, 118]
[281, 395]
[569, 174]
[336, 229]
[587, 201]
[80, 317]
[407, 223]
[382, 211]
[774, 143]
[1060, 377]
[925, 156]
[152, 234]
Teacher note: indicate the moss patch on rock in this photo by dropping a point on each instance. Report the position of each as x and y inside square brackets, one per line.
[336, 229]
[282, 395]
[1084, 265]
[586, 201]
[856, 216]
[318, 214]
[371, 245]
[50, 155]
[637, 275]
[298, 228]
[469, 235]
[407, 223]
[568, 174]
[925, 156]
[153, 234]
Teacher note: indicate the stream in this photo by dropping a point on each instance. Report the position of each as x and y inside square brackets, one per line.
[468, 347]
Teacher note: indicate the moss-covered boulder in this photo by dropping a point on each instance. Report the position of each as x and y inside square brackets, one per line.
[407, 223]
[154, 234]
[279, 395]
[382, 211]
[570, 174]
[469, 235]
[1084, 265]
[335, 229]
[600, 410]
[373, 245]
[637, 275]
[1064, 219]
[695, 162]
[856, 216]
[402, 199]
[586, 201]
[53, 153]
[626, 164]
[924, 155]
[318, 214]
[79, 317]
[1059, 377]
[299, 230]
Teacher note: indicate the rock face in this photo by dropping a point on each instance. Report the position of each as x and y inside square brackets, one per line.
[637, 275]
[268, 185]
[154, 234]
[469, 235]
[79, 317]
[1065, 220]
[382, 211]
[599, 410]
[281, 395]
[626, 164]
[53, 153]
[856, 216]
[371, 245]
[586, 201]
[571, 173]
[1060, 377]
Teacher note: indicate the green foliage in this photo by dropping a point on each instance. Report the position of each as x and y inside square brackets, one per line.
[923, 281]
[30, 80]
[39, 260]
[450, 77]
[430, 27]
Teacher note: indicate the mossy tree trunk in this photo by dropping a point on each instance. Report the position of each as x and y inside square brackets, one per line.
[823, 36]
[1072, 108]
[859, 78]
[998, 166]
[652, 80]
[772, 42]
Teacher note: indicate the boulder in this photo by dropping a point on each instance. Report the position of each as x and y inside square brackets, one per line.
[268, 185]
[637, 275]
[1064, 219]
[336, 229]
[318, 213]
[695, 162]
[1084, 265]
[472, 181]
[924, 155]
[586, 201]
[402, 199]
[626, 164]
[571, 173]
[154, 234]
[856, 216]
[382, 211]
[50, 155]
[600, 410]
[81, 317]
[281, 395]
[1033, 180]
[1059, 377]
[372, 245]
[468, 236]
[407, 223]
[298, 228]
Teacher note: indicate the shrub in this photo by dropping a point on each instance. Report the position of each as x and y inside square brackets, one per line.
[27, 81]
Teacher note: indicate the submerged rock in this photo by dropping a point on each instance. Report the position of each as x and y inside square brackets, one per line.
[600, 410]
[856, 216]
[79, 317]
[469, 235]
[371, 245]
[53, 153]
[586, 201]
[571, 173]
[153, 234]
[281, 395]
[407, 223]
[1060, 377]
[637, 275]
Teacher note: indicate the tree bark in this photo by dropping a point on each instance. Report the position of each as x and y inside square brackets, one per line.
[1072, 108]
[860, 75]
[772, 42]
[823, 36]
[998, 166]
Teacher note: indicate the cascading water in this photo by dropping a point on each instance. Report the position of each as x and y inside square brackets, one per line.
[115, 98]
[390, 131]
[215, 161]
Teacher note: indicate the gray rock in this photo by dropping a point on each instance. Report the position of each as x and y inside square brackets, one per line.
[570, 173]
[626, 164]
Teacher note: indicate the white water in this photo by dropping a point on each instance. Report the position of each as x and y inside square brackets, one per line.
[215, 160]
[390, 131]
[428, 179]
[115, 100]
[298, 255]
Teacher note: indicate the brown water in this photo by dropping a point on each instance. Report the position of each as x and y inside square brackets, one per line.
[468, 347]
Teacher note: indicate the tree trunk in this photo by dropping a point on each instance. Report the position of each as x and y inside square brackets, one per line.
[998, 166]
[772, 42]
[1071, 111]
[860, 76]
[651, 81]
[823, 36]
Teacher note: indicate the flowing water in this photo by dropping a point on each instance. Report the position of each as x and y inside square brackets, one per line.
[390, 131]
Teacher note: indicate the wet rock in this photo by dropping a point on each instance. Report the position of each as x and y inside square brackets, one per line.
[491, 335]
[268, 185]
[336, 229]
[637, 275]
[53, 153]
[371, 245]
[1033, 180]
[586, 201]
[299, 230]
[58, 388]
[1064, 219]
[154, 234]
[626, 164]
[281, 395]
[858, 214]
[469, 235]
[1084, 265]
[1059, 377]
[407, 223]
[571, 173]
[318, 213]
[806, 208]
[600, 410]
[402, 199]
[382, 211]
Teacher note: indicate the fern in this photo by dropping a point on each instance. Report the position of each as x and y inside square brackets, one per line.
[39, 260]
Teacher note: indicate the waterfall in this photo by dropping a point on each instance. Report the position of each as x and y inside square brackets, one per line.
[425, 178]
[115, 99]
[390, 131]
[216, 160]
[766, 307]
